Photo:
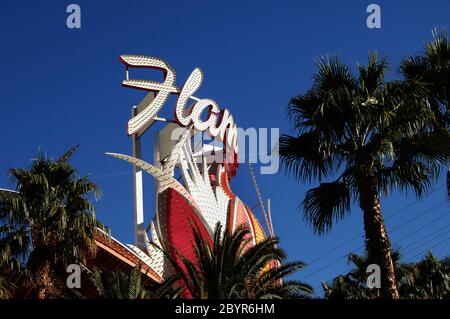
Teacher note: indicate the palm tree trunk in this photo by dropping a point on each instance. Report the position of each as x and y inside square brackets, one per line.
[377, 241]
[44, 286]
[45, 276]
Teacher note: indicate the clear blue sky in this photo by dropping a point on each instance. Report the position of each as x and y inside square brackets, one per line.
[61, 87]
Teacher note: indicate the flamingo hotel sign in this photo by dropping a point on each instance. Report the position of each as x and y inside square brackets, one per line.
[219, 124]
[202, 193]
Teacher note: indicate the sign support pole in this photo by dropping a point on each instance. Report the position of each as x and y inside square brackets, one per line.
[139, 228]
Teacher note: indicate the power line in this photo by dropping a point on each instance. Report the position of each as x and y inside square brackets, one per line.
[414, 219]
[354, 251]
[111, 174]
[340, 245]
[427, 242]
[422, 238]
[439, 243]
[409, 260]
[334, 249]
[329, 264]
[433, 239]
[424, 226]
[413, 203]
[392, 231]
[362, 233]
[403, 238]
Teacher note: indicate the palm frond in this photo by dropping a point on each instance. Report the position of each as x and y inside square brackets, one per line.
[371, 77]
[325, 204]
[307, 157]
[65, 157]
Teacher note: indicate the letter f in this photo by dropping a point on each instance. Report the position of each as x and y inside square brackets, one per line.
[162, 90]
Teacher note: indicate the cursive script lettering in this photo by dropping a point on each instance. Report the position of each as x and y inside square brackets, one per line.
[219, 124]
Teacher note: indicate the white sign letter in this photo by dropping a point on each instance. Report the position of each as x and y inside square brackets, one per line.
[163, 89]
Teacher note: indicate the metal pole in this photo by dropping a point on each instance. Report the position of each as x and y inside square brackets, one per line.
[139, 228]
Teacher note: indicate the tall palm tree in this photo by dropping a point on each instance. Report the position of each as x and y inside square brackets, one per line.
[50, 225]
[432, 68]
[369, 137]
[230, 269]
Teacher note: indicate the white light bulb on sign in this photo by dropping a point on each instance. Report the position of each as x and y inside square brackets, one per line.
[191, 85]
[222, 126]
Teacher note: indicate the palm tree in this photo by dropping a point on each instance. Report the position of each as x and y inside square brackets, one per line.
[369, 136]
[129, 285]
[50, 225]
[353, 285]
[6, 288]
[428, 279]
[230, 269]
[432, 68]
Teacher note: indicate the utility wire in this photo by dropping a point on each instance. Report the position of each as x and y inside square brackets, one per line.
[424, 226]
[409, 260]
[434, 246]
[360, 234]
[357, 249]
[110, 174]
[424, 245]
[405, 248]
[431, 240]
[414, 219]
[403, 238]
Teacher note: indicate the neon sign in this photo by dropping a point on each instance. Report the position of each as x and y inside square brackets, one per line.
[219, 124]
[202, 193]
